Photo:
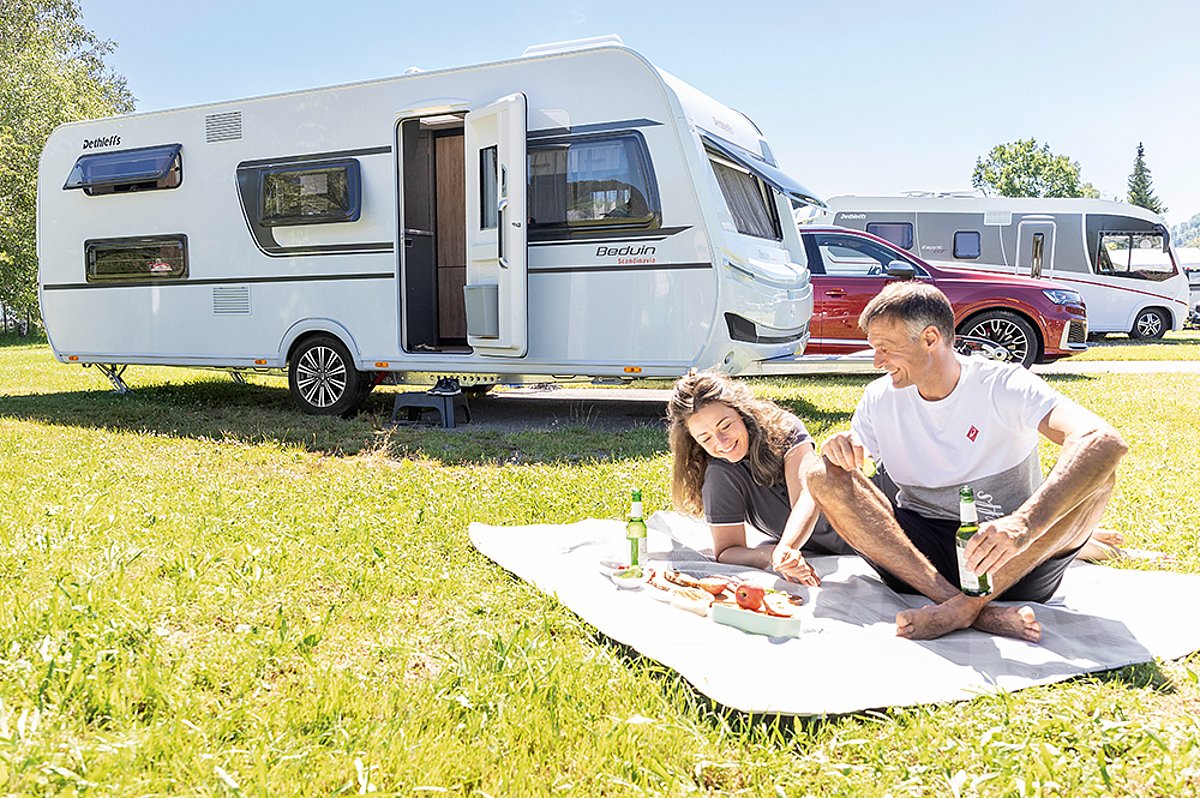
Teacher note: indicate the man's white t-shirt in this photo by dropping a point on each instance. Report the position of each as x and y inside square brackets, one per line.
[984, 434]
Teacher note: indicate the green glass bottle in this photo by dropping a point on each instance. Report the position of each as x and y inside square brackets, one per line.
[635, 531]
[971, 584]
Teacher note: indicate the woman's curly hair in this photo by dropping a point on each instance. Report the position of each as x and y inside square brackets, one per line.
[771, 432]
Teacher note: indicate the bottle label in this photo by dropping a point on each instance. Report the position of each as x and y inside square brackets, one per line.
[635, 510]
[967, 580]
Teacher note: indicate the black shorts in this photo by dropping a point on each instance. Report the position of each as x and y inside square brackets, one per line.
[934, 537]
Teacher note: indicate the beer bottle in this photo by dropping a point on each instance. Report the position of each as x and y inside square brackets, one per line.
[971, 584]
[635, 531]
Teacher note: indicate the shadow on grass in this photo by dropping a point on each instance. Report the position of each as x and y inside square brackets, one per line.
[264, 415]
[11, 339]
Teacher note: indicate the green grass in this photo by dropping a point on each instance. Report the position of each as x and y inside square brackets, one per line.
[204, 592]
[1175, 345]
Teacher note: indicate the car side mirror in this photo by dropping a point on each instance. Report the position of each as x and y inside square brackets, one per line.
[901, 270]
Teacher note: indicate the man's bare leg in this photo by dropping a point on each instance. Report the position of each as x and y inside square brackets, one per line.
[960, 611]
[863, 516]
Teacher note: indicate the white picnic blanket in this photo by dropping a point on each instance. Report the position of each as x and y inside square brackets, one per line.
[847, 657]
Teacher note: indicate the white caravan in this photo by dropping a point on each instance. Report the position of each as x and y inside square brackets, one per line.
[1117, 256]
[575, 213]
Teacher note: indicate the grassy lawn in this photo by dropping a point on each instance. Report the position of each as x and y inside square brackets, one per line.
[204, 592]
[1175, 345]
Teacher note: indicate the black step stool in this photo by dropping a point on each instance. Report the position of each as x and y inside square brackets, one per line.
[446, 406]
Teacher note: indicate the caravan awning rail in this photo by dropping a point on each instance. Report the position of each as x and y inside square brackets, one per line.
[771, 175]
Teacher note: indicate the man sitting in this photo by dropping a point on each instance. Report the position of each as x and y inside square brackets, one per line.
[939, 421]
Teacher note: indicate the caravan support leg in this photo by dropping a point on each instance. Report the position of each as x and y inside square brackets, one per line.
[114, 373]
[238, 377]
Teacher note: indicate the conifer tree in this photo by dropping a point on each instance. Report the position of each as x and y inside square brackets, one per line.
[1141, 192]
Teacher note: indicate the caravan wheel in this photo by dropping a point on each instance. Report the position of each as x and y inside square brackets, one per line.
[1150, 323]
[322, 378]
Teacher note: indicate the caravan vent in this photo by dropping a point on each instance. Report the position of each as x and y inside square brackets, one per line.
[232, 300]
[223, 127]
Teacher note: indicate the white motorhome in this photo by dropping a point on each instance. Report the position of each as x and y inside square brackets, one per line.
[1117, 256]
[575, 213]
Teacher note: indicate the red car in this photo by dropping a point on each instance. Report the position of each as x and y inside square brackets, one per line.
[1035, 320]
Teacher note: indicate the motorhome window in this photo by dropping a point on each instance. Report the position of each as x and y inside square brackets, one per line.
[144, 258]
[966, 244]
[142, 169]
[1139, 256]
[489, 197]
[589, 185]
[749, 199]
[850, 256]
[310, 193]
[899, 233]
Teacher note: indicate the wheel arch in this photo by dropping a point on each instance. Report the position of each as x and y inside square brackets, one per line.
[316, 326]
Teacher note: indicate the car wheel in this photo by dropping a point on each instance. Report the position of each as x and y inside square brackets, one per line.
[322, 378]
[1009, 331]
[1150, 323]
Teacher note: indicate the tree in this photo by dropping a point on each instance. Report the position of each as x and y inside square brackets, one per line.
[1141, 193]
[51, 71]
[1023, 169]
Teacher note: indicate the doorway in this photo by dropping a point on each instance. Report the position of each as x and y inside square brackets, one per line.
[434, 261]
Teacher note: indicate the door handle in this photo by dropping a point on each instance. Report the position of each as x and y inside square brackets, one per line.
[836, 292]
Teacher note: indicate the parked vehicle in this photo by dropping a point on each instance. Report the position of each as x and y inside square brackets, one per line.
[1034, 320]
[572, 214]
[1086, 244]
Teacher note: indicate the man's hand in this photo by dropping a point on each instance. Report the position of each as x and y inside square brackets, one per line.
[790, 564]
[996, 543]
[844, 451]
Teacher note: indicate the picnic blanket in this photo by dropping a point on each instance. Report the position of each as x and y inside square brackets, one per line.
[847, 657]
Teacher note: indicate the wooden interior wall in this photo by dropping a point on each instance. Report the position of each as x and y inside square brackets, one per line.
[451, 236]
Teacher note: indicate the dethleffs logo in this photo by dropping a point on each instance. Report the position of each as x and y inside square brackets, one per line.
[627, 254]
[104, 141]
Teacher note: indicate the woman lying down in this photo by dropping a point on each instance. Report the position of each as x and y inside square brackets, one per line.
[737, 459]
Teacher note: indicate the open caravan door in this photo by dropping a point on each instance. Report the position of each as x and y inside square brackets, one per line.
[497, 263]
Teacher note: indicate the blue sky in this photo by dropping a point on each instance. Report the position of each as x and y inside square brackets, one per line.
[857, 97]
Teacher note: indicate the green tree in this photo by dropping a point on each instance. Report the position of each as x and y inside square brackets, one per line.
[52, 71]
[1141, 192]
[1023, 169]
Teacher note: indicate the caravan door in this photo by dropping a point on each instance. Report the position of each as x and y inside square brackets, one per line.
[497, 288]
[1035, 247]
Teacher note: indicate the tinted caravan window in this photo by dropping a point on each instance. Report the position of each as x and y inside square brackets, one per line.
[142, 169]
[899, 233]
[311, 193]
[966, 244]
[143, 258]
[584, 186]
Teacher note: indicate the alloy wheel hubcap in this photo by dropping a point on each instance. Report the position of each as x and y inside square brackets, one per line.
[1149, 324]
[1007, 334]
[321, 376]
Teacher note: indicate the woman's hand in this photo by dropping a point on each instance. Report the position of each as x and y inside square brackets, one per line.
[790, 564]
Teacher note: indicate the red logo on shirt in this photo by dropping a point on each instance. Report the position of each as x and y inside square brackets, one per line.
[972, 433]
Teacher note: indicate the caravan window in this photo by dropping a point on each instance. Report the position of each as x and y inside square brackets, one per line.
[966, 244]
[144, 258]
[899, 233]
[1142, 256]
[587, 186]
[310, 193]
[749, 199]
[142, 169]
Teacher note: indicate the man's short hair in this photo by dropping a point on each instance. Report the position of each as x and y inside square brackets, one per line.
[916, 305]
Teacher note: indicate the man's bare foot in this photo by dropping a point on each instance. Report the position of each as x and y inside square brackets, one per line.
[1103, 544]
[935, 620]
[1018, 622]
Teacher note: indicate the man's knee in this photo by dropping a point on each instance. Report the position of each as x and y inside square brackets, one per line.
[826, 480]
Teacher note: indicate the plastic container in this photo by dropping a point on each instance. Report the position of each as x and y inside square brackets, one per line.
[756, 623]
